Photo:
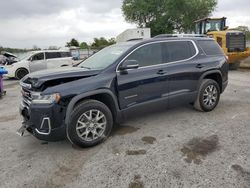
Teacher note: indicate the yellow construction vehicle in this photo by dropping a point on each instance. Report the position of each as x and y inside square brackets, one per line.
[233, 42]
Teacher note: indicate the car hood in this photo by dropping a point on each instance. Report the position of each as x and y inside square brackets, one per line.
[56, 76]
[8, 55]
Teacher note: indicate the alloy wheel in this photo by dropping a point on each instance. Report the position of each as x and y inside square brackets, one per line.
[91, 125]
[210, 95]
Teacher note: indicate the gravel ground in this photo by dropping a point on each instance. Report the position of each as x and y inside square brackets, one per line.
[178, 147]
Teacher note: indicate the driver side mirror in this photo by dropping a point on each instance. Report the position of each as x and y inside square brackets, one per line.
[129, 64]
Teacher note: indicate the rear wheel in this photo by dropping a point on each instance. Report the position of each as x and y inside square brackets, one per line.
[20, 73]
[90, 124]
[208, 96]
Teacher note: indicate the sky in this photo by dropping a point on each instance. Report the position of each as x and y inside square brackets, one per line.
[44, 23]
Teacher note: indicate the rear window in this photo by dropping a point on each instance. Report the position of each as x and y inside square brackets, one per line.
[178, 50]
[210, 47]
[65, 54]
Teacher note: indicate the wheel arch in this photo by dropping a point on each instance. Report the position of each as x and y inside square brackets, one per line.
[213, 75]
[103, 95]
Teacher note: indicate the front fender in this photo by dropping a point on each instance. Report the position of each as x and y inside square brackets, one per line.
[89, 94]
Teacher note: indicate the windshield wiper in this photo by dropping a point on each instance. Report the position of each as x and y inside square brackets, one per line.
[86, 67]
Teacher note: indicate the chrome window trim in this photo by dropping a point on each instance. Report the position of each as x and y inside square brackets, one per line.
[155, 42]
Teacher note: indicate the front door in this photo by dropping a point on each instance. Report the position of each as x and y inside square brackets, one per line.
[145, 83]
[37, 62]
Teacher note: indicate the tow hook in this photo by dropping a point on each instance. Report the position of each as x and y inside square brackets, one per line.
[22, 129]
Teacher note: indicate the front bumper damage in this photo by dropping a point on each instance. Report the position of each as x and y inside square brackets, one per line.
[45, 122]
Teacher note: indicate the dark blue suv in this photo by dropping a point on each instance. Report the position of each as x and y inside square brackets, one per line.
[84, 103]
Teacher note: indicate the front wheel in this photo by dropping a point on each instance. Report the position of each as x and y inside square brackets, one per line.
[208, 96]
[90, 124]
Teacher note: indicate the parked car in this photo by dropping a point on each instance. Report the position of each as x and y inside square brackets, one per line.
[7, 58]
[38, 60]
[84, 103]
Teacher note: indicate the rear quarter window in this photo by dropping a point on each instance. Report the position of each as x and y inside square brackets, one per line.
[178, 50]
[210, 47]
[65, 54]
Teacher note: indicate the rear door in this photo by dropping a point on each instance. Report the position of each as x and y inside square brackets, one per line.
[53, 59]
[66, 58]
[182, 71]
[145, 83]
[37, 62]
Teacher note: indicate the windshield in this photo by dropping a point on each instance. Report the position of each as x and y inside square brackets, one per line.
[25, 56]
[213, 25]
[105, 57]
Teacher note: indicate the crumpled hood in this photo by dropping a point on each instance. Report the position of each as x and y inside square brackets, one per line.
[61, 75]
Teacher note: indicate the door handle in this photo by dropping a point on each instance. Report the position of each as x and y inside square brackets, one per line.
[161, 72]
[199, 66]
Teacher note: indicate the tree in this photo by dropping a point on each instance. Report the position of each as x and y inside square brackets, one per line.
[167, 16]
[111, 41]
[73, 42]
[35, 47]
[100, 43]
[53, 48]
[84, 45]
[243, 28]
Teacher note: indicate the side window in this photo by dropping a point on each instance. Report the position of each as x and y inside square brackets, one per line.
[210, 47]
[65, 54]
[178, 50]
[52, 55]
[38, 57]
[148, 55]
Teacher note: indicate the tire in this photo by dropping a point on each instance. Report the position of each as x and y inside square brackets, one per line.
[83, 129]
[234, 66]
[20, 73]
[209, 91]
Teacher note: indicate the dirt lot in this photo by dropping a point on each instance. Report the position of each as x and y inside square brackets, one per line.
[172, 148]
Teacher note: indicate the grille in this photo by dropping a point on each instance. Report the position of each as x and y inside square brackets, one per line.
[26, 94]
[236, 42]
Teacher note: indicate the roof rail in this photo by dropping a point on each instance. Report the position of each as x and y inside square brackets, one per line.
[179, 35]
[134, 39]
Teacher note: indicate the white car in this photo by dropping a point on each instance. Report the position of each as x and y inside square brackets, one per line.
[38, 60]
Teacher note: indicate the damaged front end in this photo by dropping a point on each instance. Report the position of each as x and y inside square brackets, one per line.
[44, 113]
[8, 59]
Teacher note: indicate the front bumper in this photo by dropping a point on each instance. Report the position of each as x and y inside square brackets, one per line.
[45, 122]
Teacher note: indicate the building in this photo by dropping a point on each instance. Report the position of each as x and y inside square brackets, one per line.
[132, 34]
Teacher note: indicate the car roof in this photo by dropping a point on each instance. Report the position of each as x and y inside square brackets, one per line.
[42, 51]
[163, 38]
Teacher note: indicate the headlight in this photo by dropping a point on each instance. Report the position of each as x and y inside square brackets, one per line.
[37, 98]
